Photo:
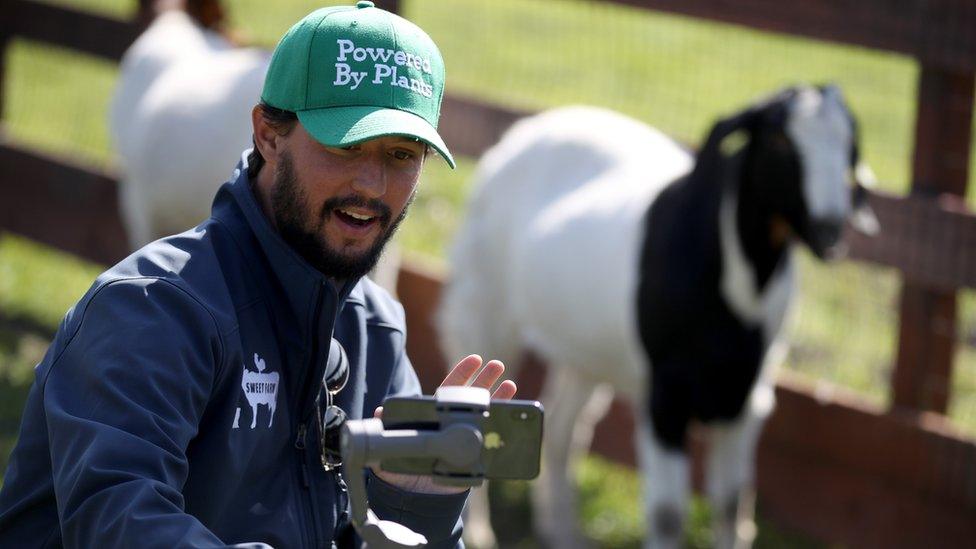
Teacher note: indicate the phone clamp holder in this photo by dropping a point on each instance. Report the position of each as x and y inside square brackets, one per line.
[456, 444]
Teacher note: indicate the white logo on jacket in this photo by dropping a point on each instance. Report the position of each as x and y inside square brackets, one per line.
[259, 388]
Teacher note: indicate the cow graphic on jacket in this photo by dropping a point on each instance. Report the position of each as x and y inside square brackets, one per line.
[260, 388]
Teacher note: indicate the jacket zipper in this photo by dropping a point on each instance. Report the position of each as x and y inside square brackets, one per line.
[302, 474]
[311, 370]
[300, 441]
[305, 473]
[312, 366]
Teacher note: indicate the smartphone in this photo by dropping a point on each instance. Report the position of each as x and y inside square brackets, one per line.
[512, 434]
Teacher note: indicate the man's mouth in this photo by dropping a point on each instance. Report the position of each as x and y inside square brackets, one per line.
[354, 218]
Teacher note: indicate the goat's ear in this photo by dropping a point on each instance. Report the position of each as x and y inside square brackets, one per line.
[743, 126]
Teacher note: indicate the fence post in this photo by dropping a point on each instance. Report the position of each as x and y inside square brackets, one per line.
[923, 368]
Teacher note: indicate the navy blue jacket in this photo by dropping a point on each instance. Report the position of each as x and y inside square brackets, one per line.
[167, 411]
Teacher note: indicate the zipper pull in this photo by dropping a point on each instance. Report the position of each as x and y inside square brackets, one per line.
[300, 440]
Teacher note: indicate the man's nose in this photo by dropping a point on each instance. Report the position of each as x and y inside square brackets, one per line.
[370, 177]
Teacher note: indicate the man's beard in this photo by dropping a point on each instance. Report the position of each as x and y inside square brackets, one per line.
[305, 234]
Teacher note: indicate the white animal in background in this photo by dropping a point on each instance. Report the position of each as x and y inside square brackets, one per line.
[631, 265]
[180, 116]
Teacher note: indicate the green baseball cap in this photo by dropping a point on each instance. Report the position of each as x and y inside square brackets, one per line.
[358, 73]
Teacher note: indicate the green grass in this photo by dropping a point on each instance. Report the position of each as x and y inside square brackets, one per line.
[39, 283]
[674, 72]
[21, 347]
[845, 325]
[612, 514]
[57, 100]
[37, 286]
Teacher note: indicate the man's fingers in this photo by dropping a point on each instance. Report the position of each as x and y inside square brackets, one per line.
[505, 391]
[469, 371]
[489, 374]
[462, 371]
[378, 412]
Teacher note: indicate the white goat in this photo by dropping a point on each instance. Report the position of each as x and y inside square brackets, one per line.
[607, 248]
[180, 116]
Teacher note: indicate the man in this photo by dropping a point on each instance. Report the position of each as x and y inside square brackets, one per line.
[176, 406]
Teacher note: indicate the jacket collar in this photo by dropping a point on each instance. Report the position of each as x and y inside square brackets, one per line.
[299, 280]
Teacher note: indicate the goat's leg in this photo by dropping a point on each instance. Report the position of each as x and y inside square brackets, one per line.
[478, 533]
[666, 488]
[731, 479]
[573, 405]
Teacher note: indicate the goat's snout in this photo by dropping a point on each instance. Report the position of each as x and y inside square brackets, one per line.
[824, 237]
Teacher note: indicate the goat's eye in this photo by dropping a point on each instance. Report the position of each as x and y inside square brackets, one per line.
[781, 142]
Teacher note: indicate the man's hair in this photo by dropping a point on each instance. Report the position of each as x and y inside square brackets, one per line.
[281, 121]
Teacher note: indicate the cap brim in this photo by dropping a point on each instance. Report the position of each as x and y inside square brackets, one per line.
[344, 126]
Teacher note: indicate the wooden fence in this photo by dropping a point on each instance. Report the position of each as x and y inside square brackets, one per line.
[829, 464]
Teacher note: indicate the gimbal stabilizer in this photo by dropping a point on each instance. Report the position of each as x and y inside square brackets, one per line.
[456, 445]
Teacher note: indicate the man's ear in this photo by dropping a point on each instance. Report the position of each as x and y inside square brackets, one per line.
[266, 139]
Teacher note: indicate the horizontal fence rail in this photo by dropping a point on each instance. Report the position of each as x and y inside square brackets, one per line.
[60, 204]
[69, 28]
[932, 239]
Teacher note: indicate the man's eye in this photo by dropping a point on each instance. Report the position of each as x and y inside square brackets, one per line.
[402, 155]
[351, 148]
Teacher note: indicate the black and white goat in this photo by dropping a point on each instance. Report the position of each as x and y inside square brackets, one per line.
[632, 266]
